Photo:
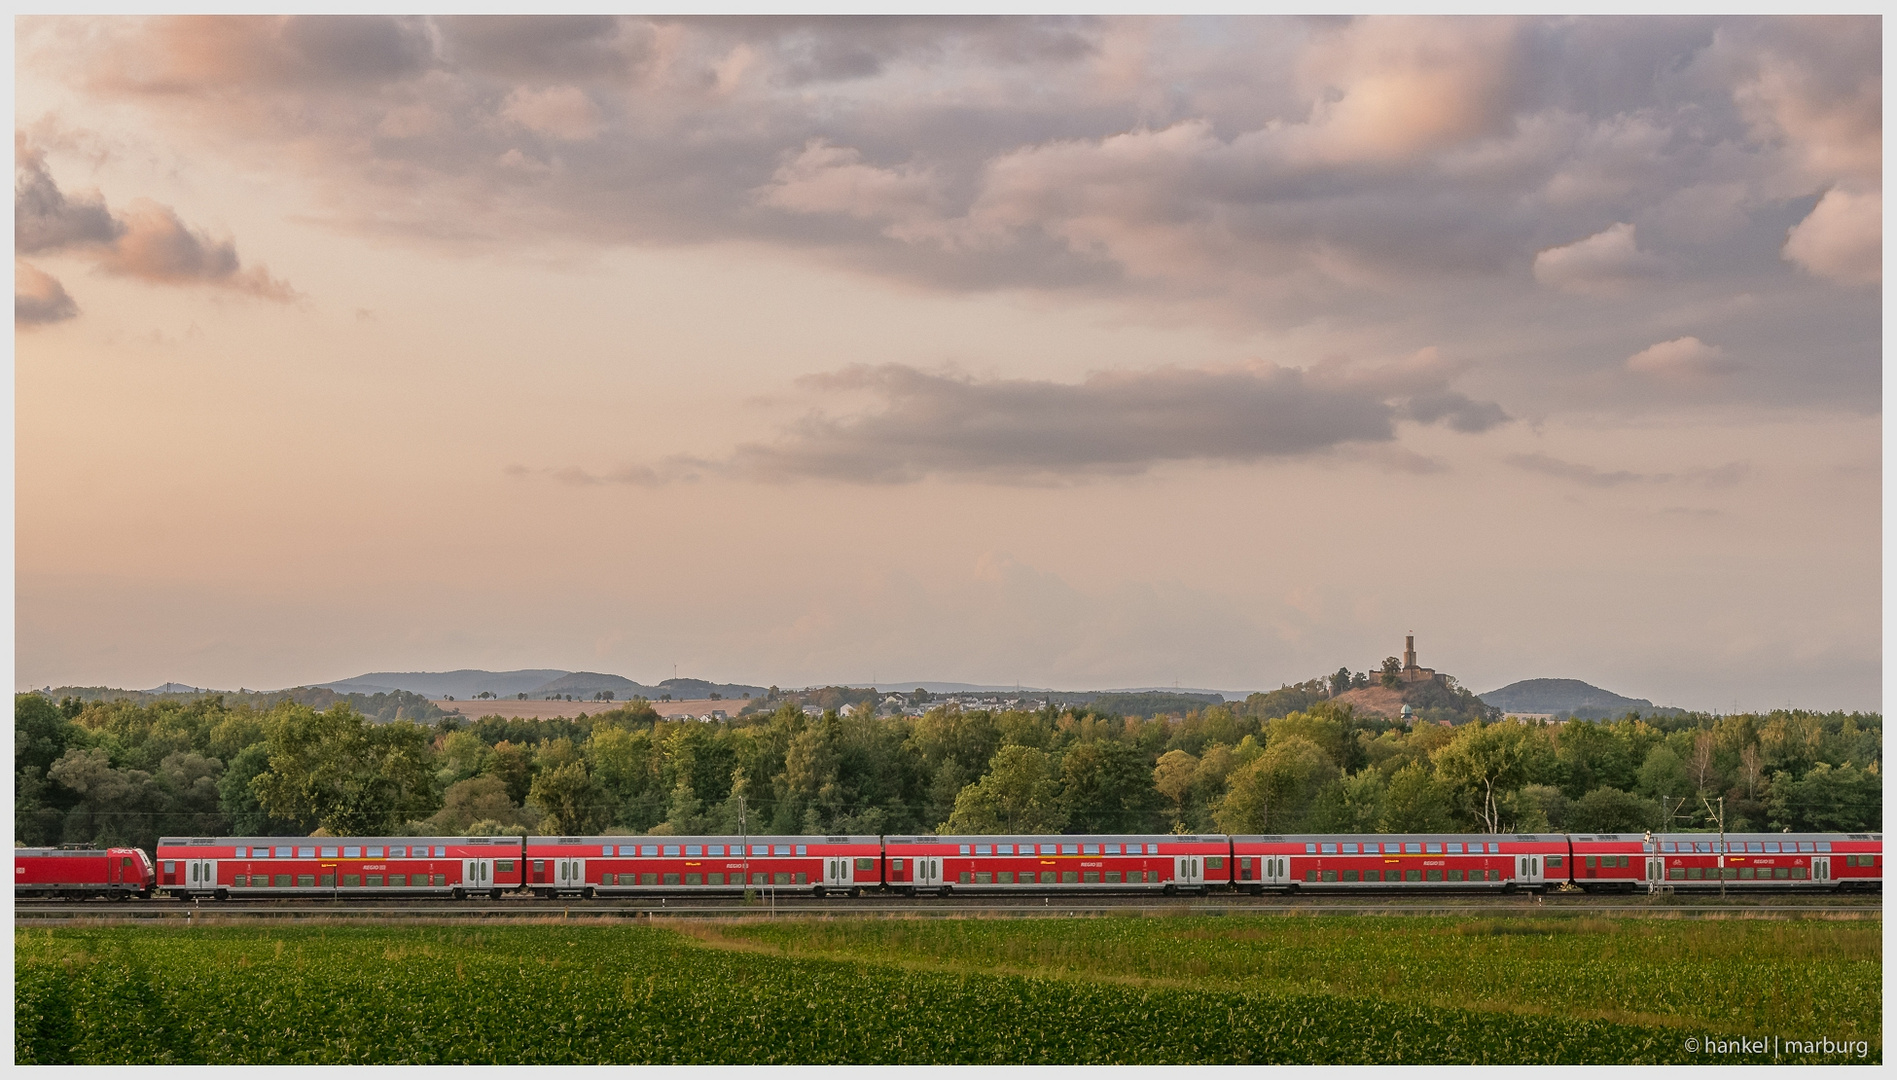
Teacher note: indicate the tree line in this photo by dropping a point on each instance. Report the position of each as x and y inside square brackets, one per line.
[117, 771]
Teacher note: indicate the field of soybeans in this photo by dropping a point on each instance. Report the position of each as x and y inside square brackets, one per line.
[1233, 989]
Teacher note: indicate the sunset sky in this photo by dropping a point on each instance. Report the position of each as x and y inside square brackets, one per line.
[1081, 353]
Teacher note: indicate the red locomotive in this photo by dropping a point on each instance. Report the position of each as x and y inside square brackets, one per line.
[75, 873]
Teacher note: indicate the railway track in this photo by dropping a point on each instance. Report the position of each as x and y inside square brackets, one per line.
[166, 911]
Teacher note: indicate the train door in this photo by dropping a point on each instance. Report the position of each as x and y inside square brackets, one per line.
[1821, 869]
[1528, 869]
[1188, 871]
[477, 873]
[200, 874]
[836, 872]
[928, 871]
[569, 873]
[1656, 868]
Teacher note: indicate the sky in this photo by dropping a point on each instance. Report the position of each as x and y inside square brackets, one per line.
[1077, 352]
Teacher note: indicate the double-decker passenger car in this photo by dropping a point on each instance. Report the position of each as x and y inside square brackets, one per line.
[77, 873]
[1770, 860]
[1346, 863]
[1035, 863]
[628, 865]
[343, 866]
[1608, 862]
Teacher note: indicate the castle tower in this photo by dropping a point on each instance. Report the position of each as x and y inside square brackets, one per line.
[1409, 652]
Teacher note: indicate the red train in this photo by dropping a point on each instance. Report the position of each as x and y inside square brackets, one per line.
[76, 873]
[549, 866]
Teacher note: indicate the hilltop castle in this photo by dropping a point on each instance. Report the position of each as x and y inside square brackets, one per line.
[1410, 672]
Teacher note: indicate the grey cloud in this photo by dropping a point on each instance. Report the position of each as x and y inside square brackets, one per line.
[1035, 431]
[45, 218]
[39, 298]
[1715, 477]
[1420, 177]
[1458, 410]
[148, 241]
[373, 47]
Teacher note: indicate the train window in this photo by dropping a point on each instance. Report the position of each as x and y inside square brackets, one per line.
[1755, 847]
[1047, 877]
[239, 853]
[1804, 845]
[610, 879]
[1350, 849]
[715, 879]
[1070, 849]
[306, 881]
[398, 881]
[1798, 873]
[1781, 871]
[1695, 873]
[1310, 875]
[1824, 845]
[1455, 849]
[895, 866]
[1554, 862]
[1771, 847]
[760, 849]
[983, 878]
[1215, 862]
[1591, 862]
[1113, 877]
[1702, 847]
[803, 849]
[348, 853]
[648, 850]
[1049, 849]
[1328, 849]
[1069, 877]
[964, 849]
[1310, 849]
[1495, 849]
[281, 881]
[715, 850]
[373, 853]
[440, 853]
[400, 852]
[170, 867]
[671, 851]
[1668, 846]
[1004, 849]
[645, 879]
[803, 877]
[374, 881]
[1091, 877]
[671, 879]
[1413, 849]
[1090, 849]
[1351, 875]
[693, 851]
[329, 853]
[1433, 849]
[694, 879]
[1745, 873]
[350, 881]
[1412, 875]
[1005, 877]
[239, 881]
[1373, 875]
[1113, 849]
[1455, 875]
[866, 864]
[1370, 849]
[283, 853]
[505, 866]
[306, 853]
[1675, 874]
[780, 849]
[1435, 875]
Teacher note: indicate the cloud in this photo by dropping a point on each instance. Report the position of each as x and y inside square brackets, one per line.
[148, 241]
[1608, 262]
[561, 112]
[1716, 477]
[826, 179]
[1842, 238]
[46, 219]
[1118, 423]
[38, 297]
[1681, 359]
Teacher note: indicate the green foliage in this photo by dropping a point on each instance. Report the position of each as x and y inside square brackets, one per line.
[1019, 794]
[1611, 810]
[1235, 990]
[337, 771]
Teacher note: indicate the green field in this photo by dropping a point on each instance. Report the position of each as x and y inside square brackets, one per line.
[1133, 990]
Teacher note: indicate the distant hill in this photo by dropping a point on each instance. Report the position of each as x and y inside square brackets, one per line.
[1569, 698]
[465, 683]
[588, 683]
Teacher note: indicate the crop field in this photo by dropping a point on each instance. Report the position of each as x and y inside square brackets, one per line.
[1157, 990]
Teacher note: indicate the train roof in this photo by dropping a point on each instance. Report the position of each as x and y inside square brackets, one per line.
[1059, 838]
[331, 841]
[52, 852]
[712, 838]
[1306, 838]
